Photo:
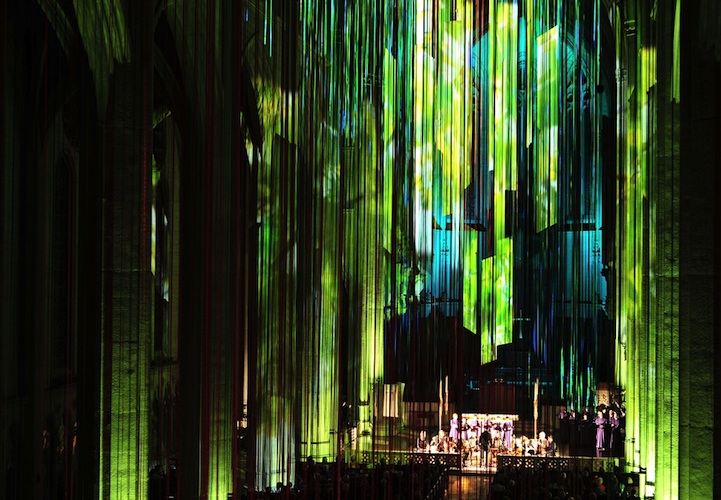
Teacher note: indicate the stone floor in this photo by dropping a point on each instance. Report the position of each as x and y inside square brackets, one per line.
[468, 486]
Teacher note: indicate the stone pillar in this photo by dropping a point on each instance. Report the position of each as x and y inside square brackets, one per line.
[663, 311]
[698, 338]
[127, 283]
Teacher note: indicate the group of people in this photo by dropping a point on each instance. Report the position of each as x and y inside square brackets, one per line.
[485, 436]
[499, 427]
[542, 445]
[587, 434]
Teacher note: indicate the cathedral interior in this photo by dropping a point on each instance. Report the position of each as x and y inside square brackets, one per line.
[236, 234]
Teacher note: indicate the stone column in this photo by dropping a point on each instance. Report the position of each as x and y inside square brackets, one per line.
[127, 283]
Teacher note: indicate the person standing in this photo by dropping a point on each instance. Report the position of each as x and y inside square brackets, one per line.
[600, 422]
[485, 443]
[612, 439]
[464, 429]
[508, 432]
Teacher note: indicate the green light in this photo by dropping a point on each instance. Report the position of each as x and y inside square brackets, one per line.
[124, 441]
[423, 121]
[488, 338]
[676, 88]
[503, 291]
[105, 38]
[546, 139]
[320, 403]
[275, 405]
[470, 281]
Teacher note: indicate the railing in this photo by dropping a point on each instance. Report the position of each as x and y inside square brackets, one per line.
[556, 463]
[446, 460]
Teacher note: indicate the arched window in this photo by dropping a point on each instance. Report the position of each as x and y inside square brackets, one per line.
[160, 257]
